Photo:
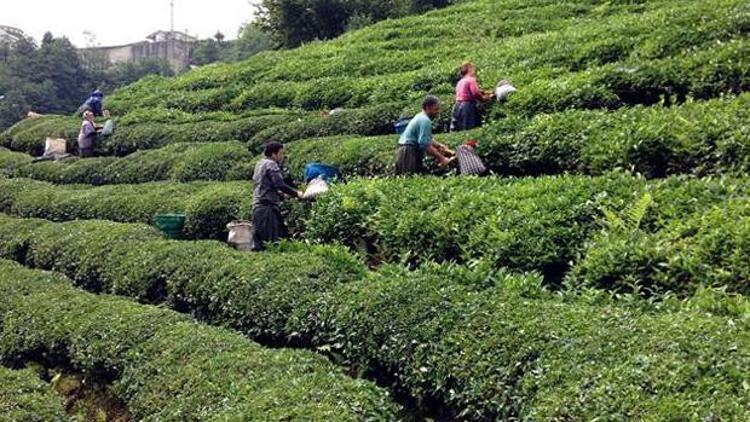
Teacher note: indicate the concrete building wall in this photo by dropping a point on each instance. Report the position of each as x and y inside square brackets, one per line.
[176, 52]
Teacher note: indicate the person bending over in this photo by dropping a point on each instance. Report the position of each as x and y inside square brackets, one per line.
[417, 140]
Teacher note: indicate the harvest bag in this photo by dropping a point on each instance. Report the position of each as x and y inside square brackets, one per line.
[315, 188]
[469, 162]
[54, 146]
[503, 90]
[328, 173]
[240, 235]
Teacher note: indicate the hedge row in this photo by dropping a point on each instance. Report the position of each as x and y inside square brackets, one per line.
[168, 368]
[528, 224]
[28, 135]
[25, 398]
[595, 55]
[182, 162]
[698, 138]
[710, 248]
[474, 344]
[209, 206]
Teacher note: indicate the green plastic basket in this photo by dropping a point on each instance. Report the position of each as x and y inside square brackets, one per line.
[170, 224]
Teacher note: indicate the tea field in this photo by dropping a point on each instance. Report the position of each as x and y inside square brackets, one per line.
[601, 272]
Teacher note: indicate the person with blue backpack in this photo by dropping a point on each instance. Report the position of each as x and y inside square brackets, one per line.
[94, 103]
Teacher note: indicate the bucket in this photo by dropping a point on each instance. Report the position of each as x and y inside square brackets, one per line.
[170, 224]
[240, 235]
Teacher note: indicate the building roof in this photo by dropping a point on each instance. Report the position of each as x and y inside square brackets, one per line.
[171, 35]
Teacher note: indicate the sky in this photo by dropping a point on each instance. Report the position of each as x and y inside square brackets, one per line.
[116, 22]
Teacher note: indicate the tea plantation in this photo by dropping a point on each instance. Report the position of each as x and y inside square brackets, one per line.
[601, 272]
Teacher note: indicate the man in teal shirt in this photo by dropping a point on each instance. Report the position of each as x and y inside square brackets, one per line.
[417, 139]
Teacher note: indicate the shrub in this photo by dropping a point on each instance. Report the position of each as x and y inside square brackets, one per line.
[153, 353]
[468, 344]
[180, 162]
[709, 248]
[25, 398]
[208, 206]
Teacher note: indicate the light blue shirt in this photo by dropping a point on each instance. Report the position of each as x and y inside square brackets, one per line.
[418, 132]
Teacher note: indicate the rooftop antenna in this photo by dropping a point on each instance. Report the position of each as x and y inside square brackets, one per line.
[171, 6]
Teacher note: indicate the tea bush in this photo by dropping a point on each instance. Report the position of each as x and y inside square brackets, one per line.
[468, 344]
[709, 248]
[208, 206]
[152, 354]
[25, 397]
[528, 224]
[587, 55]
[182, 162]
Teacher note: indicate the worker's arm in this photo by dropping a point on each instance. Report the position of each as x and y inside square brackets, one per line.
[281, 186]
[477, 93]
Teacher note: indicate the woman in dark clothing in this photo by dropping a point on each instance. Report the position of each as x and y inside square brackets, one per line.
[466, 114]
[268, 184]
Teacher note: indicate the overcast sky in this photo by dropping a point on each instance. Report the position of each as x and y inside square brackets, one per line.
[117, 22]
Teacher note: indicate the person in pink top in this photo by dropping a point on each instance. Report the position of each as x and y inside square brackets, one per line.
[466, 114]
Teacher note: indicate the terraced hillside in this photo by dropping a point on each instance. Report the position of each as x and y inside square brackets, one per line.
[601, 272]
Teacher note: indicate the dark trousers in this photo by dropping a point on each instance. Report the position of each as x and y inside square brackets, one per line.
[268, 226]
[409, 160]
[466, 116]
[86, 152]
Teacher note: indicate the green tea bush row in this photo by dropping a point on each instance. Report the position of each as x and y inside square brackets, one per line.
[29, 134]
[528, 224]
[10, 160]
[26, 398]
[709, 248]
[583, 43]
[698, 138]
[168, 368]
[468, 344]
[155, 135]
[182, 162]
[208, 206]
[176, 116]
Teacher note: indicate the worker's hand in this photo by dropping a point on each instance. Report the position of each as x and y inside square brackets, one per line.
[300, 195]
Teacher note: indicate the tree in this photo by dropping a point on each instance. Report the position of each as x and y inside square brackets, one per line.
[206, 51]
[122, 74]
[252, 40]
[293, 22]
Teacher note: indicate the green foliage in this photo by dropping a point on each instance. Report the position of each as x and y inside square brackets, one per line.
[589, 56]
[537, 224]
[710, 248]
[182, 162]
[25, 398]
[154, 353]
[293, 22]
[468, 343]
[208, 206]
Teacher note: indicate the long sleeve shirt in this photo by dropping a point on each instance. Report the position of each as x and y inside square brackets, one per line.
[268, 182]
[86, 135]
[468, 90]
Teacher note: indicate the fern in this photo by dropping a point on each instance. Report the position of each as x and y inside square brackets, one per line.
[631, 218]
